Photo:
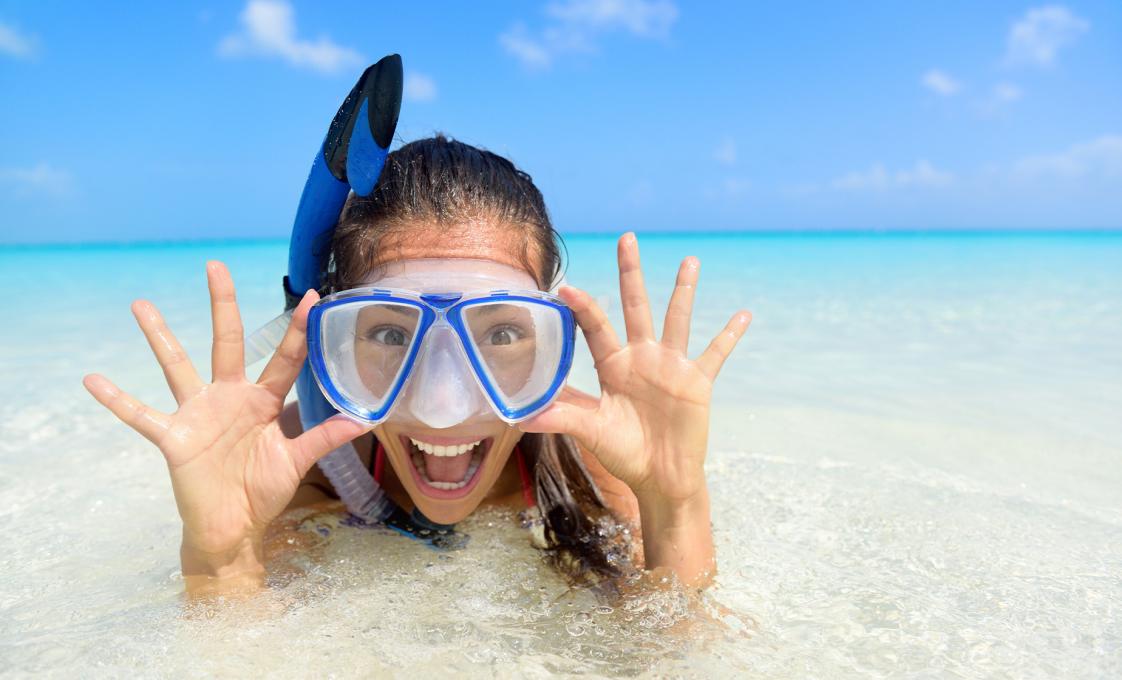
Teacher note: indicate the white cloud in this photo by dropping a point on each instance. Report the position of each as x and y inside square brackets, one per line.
[940, 82]
[525, 47]
[651, 19]
[1001, 96]
[923, 174]
[878, 178]
[1099, 158]
[736, 186]
[875, 177]
[1040, 34]
[39, 179]
[15, 44]
[419, 87]
[729, 188]
[575, 25]
[269, 29]
[725, 153]
[1006, 92]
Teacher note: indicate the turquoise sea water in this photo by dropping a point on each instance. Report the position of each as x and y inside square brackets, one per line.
[916, 468]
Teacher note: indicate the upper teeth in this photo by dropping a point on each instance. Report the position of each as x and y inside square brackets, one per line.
[453, 450]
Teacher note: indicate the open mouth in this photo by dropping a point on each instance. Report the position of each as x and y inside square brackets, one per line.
[446, 470]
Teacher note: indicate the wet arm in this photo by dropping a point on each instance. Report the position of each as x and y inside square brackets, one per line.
[679, 537]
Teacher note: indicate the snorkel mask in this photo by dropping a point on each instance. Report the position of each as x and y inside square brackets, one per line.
[441, 342]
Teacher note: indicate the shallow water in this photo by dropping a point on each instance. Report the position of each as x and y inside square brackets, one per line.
[916, 470]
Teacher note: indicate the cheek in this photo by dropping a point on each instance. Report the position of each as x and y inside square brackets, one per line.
[377, 369]
[510, 365]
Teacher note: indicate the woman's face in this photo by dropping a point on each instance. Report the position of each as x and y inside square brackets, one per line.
[433, 463]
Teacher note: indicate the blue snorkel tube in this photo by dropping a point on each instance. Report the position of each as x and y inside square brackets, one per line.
[351, 157]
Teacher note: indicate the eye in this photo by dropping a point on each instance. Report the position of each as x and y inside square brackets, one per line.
[393, 336]
[503, 335]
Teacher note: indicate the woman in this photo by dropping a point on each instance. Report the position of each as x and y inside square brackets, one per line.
[444, 217]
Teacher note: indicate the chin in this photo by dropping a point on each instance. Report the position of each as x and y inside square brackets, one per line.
[447, 473]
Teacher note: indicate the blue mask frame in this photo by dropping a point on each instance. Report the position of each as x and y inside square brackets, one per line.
[433, 308]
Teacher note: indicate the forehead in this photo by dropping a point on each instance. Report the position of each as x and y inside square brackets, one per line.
[475, 241]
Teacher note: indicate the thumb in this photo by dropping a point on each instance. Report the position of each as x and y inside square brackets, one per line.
[323, 439]
[577, 397]
[565, 418]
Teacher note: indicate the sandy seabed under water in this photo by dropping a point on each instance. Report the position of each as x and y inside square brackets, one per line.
[915, 468]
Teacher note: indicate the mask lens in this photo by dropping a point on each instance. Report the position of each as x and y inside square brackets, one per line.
[365, 347]
[519, 344]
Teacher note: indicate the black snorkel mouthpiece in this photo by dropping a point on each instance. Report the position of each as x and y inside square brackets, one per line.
[377, 94]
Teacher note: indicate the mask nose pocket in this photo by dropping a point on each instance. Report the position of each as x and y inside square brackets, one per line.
[442, 391]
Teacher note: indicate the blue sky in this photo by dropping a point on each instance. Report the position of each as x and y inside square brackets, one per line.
[152, 121]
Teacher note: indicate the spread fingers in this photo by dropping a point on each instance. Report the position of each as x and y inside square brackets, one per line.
[593, 322]
[714, 356]
[227, 353]
[286, 362]
[632, 291]
[180, 374]
[676, 328]
[147, 421]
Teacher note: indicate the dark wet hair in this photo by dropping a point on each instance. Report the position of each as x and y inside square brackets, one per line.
[448, 185]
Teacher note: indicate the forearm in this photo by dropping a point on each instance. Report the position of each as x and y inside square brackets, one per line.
[240, 569]
[679, 536]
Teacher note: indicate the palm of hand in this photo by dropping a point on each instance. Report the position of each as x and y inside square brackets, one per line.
[650, 426]
[229, 463]
[232, 468]
[654, 407]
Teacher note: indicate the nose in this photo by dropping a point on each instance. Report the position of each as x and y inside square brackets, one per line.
[442, 391]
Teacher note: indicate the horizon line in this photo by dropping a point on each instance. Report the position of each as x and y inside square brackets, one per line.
[660, 233]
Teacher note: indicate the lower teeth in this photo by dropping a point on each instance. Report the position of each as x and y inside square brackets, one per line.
[419, 463]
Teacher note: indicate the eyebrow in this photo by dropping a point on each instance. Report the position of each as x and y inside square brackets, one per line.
[410, 313]
[500, 308]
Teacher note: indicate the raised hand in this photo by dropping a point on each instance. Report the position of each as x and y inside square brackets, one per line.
[650, 426]
[232, 469]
